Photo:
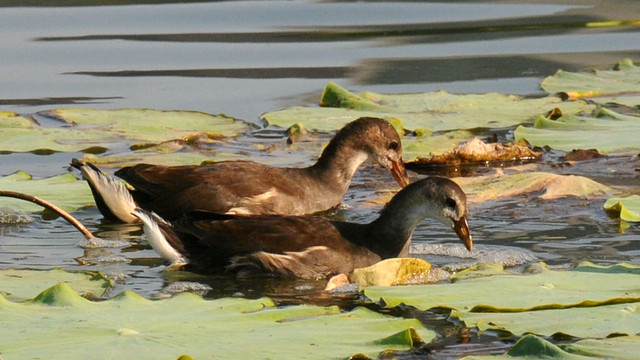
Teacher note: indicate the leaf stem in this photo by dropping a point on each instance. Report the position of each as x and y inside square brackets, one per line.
[70, 219]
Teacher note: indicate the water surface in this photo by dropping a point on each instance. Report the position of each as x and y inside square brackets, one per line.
[248, 57]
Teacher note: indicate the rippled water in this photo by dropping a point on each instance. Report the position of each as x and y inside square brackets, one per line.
[246, 58]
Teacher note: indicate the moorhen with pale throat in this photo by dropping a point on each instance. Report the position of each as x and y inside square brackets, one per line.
[310, 247]
[247, 187]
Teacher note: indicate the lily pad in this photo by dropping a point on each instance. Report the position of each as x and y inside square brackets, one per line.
[542, 301]
[598, 321]
[619, 347]
[434, 111]
[23, 284]
[607, 131]
[533, 347]
[80, 129]
[65, 191]
[551, 186]
[536, 184]
[511, 292]
[127, 326]
[620, 85]
[627, 207]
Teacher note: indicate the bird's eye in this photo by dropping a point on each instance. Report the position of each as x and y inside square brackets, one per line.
[393, 146]
[450, 203]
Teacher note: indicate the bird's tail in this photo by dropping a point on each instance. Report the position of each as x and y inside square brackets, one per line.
[111, 195]
[162, 238]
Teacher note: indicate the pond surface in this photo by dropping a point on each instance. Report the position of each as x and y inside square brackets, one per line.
[248, 57]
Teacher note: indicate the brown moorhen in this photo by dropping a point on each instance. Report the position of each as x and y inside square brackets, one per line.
[246, 187]
[310, 247]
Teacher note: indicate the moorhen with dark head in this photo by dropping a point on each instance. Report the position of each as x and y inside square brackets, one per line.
[247, 187]
[310, 247]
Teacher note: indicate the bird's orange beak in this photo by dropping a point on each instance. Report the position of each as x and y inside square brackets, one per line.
[399, 173]
[461, 228]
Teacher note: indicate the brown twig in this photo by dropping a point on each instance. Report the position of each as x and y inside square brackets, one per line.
[70, 219]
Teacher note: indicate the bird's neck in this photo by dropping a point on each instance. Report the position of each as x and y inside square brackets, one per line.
[390, 233]
[339, 162]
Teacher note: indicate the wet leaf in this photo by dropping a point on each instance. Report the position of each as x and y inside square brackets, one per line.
[627, 207]
[620, 85]
[58, 320]
[65, 191]
[89, 128]
[23, 284]
[551, 186]
[396, 271]
[423, 146]
[606, 131]
[434, 111]
[476, 151]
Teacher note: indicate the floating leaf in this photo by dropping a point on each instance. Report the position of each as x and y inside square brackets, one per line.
[150, 125]
[545, 186]
[541, 302]
[515, 292]
[552, 186]
[22, 284]
[628, 207]
[620, 85]
[85, 128]
[532, 347]
[619, 347]
[65, 191]
[435, 111]
[598, 321]
[606, 131]
[130, 326]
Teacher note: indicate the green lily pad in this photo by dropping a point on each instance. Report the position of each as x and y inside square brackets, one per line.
[533, 347]
[619, 347]
[620, 85]
[85, 128]
[606, 131]
[506, 291]
[23, 284]
[542, 301]
[598, 321]
[65, 191]
[58, 321]
[435, 111]
[627, 207]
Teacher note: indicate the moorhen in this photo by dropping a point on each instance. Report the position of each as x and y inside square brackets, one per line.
[247, 187]
[310, 247]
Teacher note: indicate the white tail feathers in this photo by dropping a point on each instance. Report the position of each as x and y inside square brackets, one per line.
[113, 192]
[157, 239]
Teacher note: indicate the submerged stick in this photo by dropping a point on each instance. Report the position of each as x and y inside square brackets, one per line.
[70, 219]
